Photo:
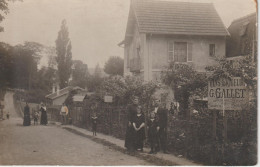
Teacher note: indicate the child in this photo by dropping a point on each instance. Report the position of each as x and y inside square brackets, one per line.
[138, 125]
[152, 132]
[94, 124]
[35, 117]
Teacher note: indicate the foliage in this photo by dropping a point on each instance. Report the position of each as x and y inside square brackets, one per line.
[94, 81]
[123, 89]
[185, 82]
[79, 74]
[114, 66]
[6, 65]
[64, 55]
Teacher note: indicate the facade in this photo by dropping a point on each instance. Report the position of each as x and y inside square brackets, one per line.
[243, 37]
[159, 32]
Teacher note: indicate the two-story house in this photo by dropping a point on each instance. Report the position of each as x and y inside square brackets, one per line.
[159, 32]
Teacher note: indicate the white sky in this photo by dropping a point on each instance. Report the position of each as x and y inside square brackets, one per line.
[95, 26]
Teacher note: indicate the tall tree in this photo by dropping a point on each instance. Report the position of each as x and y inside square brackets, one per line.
[114, 66]
[5, 10]
[64, 55]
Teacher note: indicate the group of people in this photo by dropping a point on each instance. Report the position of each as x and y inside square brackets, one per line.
[27, 115]
[156, 125]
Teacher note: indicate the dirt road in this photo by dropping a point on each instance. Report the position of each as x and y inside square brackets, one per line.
[52, 145]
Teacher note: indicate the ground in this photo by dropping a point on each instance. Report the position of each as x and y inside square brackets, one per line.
[52, 145]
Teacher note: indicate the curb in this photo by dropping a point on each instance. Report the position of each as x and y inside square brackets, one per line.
[149, 158]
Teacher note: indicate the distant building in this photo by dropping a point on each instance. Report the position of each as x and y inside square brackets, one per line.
[159, 32]
[58, 97]
[243, 37]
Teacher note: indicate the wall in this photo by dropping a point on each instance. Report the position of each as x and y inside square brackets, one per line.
[130, 51]
[158, 51]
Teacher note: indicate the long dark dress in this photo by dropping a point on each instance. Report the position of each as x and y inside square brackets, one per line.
[140, 134]
[43, 116]
[130, 132]
[26, 119]
[152, 133]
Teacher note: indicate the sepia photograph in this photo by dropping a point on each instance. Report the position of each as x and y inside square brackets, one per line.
[128, 82]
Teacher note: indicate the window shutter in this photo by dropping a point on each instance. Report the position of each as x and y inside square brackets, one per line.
[170, 51]
[189, 51]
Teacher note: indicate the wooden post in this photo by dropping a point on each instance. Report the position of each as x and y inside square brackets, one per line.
[214, 134]
[214, 137]
[224, 122]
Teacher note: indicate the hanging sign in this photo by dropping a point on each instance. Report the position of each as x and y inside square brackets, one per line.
[108, 99]
[230, 94]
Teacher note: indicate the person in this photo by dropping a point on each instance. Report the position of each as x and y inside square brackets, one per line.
[161, 118]
[7, 115]
[138, 124]
[64, 113]
[131, 112]
[44, 120]
[26, 118]
[152, 132]
[94, 120]
[35, 117]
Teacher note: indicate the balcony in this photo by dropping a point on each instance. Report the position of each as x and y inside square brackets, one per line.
[135, 64]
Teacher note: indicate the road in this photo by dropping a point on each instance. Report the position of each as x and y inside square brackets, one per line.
[52, 145]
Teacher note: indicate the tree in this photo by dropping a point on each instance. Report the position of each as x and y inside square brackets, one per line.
[64, 55]
[184, 81]
[79, 74]
[4, 9]
[114, 66]
[6, 65]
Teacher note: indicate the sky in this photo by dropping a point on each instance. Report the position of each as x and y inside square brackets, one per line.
[95, 26]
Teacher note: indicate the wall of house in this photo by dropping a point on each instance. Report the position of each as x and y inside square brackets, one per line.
[158, 52]
[60, 100]
[130, 51]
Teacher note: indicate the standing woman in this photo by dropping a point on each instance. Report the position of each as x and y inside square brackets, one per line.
[138, 124]
[43, 115]
[130, 132]
[26, 112]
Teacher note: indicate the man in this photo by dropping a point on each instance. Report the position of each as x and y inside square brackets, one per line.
[161, 118]
[64, 113]
[131, 112]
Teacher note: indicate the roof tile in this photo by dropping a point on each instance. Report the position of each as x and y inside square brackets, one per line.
[168, 17]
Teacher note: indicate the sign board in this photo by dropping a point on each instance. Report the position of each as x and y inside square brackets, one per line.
[108, 99]
[233, 94]
[78, 98]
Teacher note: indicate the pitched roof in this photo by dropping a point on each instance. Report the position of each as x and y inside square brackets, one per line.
[172, 17]
[243, 31]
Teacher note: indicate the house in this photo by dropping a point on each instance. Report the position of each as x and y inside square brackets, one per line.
[58, 97]
[243, 37]
[159, 32]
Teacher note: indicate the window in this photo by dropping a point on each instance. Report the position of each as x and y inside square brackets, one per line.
[180, 51]
[211, 50]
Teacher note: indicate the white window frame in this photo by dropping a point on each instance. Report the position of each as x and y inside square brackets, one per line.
[187, 55]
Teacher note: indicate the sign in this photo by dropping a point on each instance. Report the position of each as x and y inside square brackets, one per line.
[108, 99]
[227, 94]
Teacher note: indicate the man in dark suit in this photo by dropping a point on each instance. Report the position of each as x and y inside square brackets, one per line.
[162, 118]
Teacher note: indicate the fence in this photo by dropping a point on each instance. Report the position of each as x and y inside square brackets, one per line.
[191, 139]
